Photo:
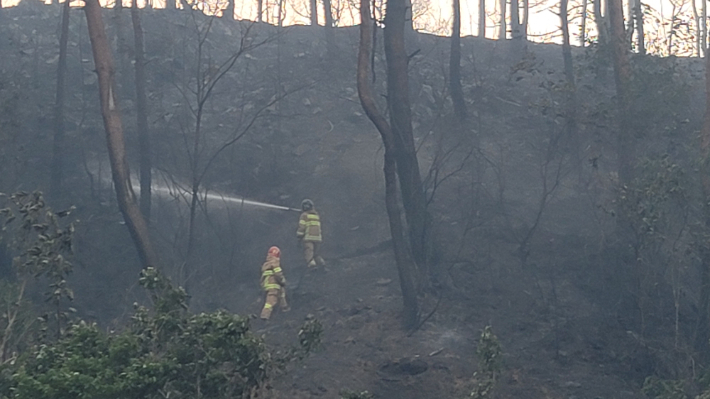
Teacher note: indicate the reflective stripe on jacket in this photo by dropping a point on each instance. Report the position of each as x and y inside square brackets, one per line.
[309, 226]
[272, 277]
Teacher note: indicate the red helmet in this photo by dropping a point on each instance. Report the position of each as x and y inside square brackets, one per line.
[275, 251]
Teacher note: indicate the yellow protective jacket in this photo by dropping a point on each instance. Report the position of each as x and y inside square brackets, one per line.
[272, 278]
[309, 226]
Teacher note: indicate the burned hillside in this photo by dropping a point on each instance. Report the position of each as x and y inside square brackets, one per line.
[593, 285]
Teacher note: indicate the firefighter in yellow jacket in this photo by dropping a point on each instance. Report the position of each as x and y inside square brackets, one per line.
[309, 232]
[274, 283]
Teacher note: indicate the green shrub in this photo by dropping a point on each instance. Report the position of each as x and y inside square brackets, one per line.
[347, 394]
[166, 352]
[489, 364]
[656, 388]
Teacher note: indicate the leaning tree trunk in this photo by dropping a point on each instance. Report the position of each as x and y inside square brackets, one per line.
[55, 185]
[405, 266]
[410, 181]
[114, 136]
[145, 162]
[455, 65]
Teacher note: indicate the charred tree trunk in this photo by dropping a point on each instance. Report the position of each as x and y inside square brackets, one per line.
[55, 186]
[405, 267]
[640, 39]
[524, 24]
[114, 136]
[145, 161]
[622, 77]
[328, 28]
[229, 11]
[121, 47]
[702, 345]
[704, 26]
[314, 12]
[630, 27]
[703, 333]
[455, 65]
[408, 17]
[696, 18]
[503, 27]
[481, 18]
[410, 181]
[583, 25]
[566, 46]
[195, 186]
[328, 13]
[600, 21]
[281, 13]
[515, 32]
[171, 5]
[571, 90]
[671, 33]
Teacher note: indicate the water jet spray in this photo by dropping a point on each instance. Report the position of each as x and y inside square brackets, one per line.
[176, 191]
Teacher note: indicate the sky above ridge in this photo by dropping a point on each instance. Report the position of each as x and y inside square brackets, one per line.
[434, 16]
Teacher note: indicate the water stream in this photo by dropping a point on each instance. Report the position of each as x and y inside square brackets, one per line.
[166, 187]
[175, 191]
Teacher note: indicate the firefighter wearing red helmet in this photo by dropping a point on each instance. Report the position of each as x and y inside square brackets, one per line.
[273, 283]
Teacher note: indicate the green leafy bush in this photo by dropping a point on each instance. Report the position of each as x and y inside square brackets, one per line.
[656, 388]
[347, 394]
[41, 242]
[489, 364]
[309, 336]
[166, 352]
